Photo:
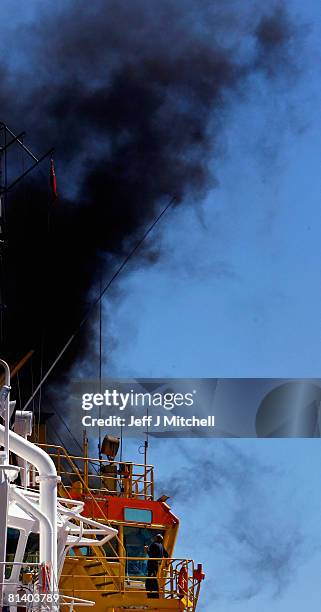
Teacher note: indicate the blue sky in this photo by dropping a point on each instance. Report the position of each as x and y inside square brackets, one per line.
[237, 292]
[250, 512]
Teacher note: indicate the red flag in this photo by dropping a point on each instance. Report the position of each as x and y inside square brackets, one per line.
[53, 181]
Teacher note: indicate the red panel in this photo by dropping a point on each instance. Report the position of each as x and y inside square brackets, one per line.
[113, 508]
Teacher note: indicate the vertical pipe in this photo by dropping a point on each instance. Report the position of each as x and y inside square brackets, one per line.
[145, 463]
[47, 492]
[3, 187]
[4, 490]
[100, 364]
[4, 484]
[6, 407]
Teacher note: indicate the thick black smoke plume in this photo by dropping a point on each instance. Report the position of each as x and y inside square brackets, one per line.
[133, 96]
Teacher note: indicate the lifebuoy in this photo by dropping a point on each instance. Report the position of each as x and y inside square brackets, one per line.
[183, 581]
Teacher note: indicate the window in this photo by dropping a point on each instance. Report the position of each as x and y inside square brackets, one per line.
[86, 551]
[135, 538]
[138, 515]
[32, 549]
[12, 543]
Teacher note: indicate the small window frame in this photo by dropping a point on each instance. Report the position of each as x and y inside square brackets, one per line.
[129, 515]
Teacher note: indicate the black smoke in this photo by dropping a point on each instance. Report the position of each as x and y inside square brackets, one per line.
[134, 97]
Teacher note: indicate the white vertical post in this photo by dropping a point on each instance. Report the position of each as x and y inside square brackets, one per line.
[4, 496]
[48, 493]
[4, 483]
[6, 406]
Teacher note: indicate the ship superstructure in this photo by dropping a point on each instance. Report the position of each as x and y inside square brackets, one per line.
[121, 495]
[79, 528]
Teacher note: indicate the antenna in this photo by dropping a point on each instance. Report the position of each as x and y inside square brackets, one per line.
[143, 450]
[3, 190]
[146, 441]
[17, 140]
[100, 363]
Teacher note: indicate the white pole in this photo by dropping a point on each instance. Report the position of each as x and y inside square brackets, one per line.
[4, 489]
[4, 483]
[6, 407]
[48, 492]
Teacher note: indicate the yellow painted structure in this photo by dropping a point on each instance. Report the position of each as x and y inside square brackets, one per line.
[121, 494]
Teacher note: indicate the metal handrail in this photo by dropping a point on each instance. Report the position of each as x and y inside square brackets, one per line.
[141, 482]
[168, 577]
[79, 475]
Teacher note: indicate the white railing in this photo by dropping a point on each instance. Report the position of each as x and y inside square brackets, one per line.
[33, 591]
